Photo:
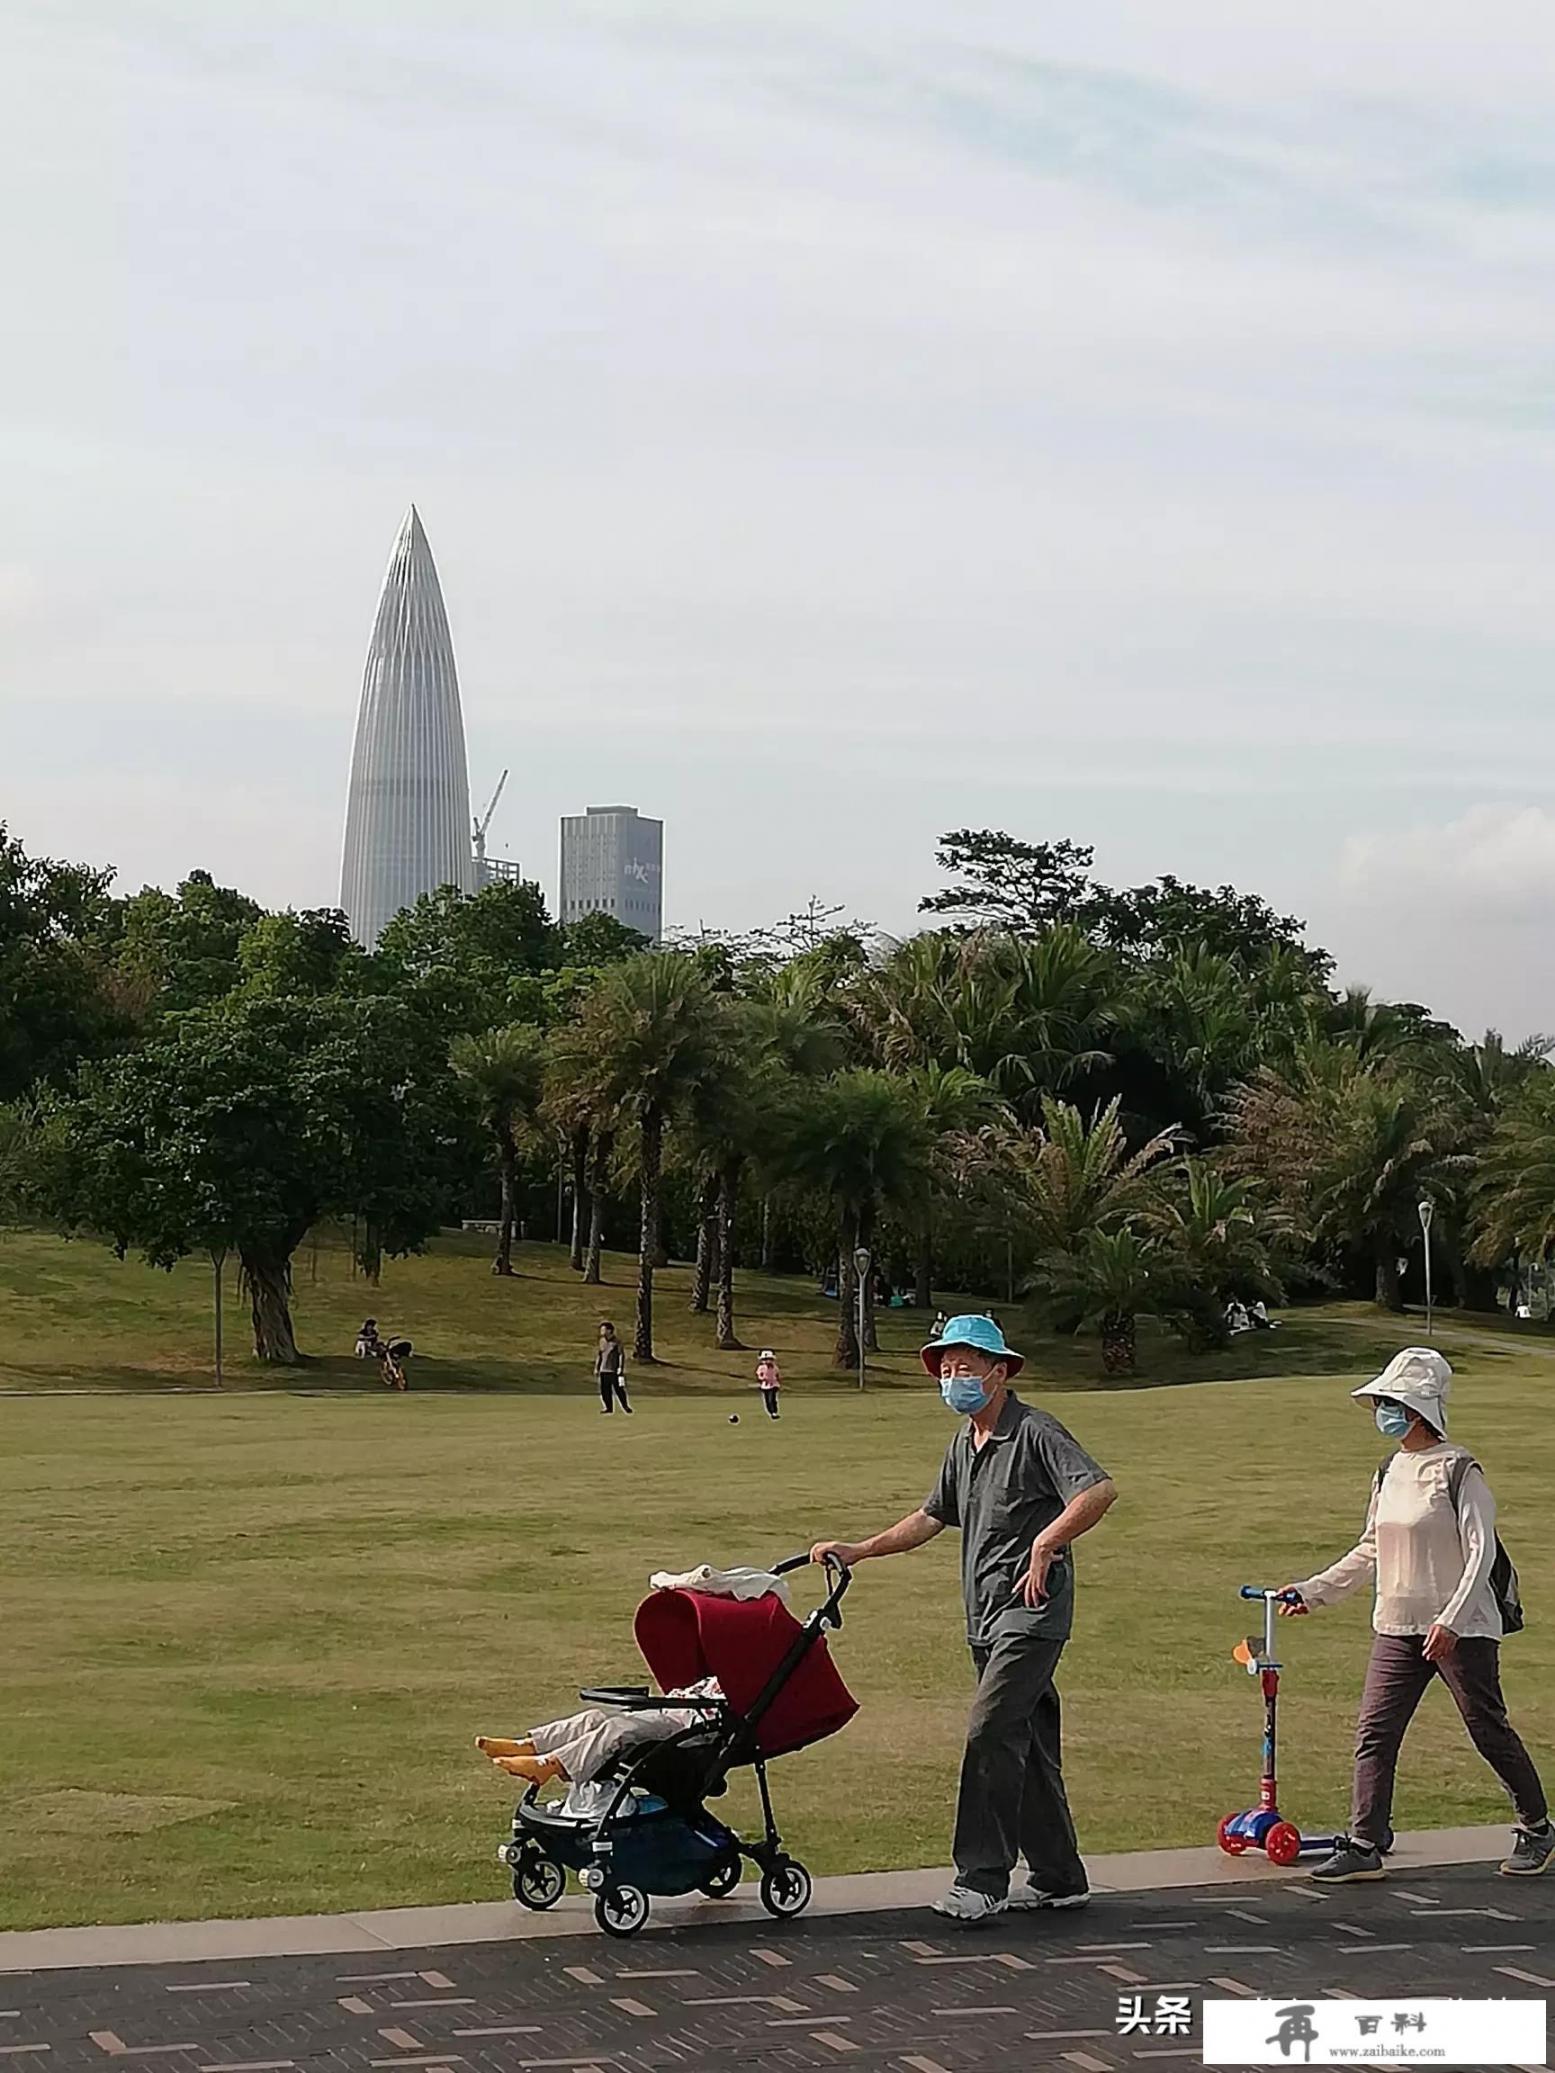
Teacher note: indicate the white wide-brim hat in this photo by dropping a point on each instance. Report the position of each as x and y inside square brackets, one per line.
[1419, 1379]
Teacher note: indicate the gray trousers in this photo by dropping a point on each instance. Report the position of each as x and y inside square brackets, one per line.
[1397, 1678]
[1011, 1801]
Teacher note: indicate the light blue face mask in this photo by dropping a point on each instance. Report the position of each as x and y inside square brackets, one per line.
[963, 1393]
[1392, 1421]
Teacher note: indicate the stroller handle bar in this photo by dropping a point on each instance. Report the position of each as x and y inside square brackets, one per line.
[1264, 1591]
[839, 1576]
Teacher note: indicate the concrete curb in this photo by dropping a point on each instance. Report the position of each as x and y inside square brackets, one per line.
[423, 1928]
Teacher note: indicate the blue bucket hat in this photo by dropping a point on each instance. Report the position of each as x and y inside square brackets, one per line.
[980, 1333]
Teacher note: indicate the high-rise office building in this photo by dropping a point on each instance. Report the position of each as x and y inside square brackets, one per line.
[408, 811]
[613, 863]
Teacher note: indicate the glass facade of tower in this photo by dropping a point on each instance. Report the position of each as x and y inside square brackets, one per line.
[613, 863]
[408, 811]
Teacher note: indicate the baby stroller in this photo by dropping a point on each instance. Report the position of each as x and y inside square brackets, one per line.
[781, 1692]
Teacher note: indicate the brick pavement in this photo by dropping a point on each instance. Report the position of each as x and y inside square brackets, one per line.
[897, 1992]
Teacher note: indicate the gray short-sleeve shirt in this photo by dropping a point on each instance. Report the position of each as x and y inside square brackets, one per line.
[1001, 1496]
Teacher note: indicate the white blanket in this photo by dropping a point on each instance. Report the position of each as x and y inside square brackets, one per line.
[722, 1583]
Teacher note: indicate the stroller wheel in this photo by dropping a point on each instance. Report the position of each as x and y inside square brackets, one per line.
[722, 1879]
[785, 1888]
[621, 1910]
[539, 1881]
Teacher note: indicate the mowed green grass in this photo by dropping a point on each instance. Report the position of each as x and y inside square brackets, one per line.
[247, 1638]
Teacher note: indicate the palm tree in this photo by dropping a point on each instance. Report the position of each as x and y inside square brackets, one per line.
[767, 1043]
[1108, 1280]
[1350, 1147]
[1218, 1235]
[1060, 1189]
[575, 1104]
[860, 1141]
[1026, 1014]
[952, 1102]
[651, 1031]
[1513, 1194]
[504, 1070]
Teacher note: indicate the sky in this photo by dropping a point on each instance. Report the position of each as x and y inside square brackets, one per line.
[834, 424]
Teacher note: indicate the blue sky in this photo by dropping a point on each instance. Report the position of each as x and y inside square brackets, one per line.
[833, 424]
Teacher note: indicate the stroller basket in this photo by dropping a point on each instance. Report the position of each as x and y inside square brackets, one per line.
[781, 1692]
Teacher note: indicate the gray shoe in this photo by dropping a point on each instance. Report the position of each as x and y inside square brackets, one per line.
[1350, 1862]
[1533, 1851]
[1023, 1899]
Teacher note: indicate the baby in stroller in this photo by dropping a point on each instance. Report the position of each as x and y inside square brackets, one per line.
[580, 1746]
[741, 1681]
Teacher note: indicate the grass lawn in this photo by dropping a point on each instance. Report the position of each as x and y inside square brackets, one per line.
[247, 1637]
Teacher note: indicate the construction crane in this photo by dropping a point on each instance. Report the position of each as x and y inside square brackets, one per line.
[484, 823]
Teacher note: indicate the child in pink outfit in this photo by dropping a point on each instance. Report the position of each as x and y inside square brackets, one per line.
[769, 1380]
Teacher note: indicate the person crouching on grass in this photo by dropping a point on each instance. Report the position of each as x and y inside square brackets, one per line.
[1430, 1546]
[1020, 1489]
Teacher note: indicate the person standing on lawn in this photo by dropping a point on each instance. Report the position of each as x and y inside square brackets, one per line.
[610, 1370]
[1020, 1489]
[769, 1380]
[1430, 1546]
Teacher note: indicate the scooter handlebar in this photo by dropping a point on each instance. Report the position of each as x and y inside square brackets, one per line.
[1265, 1591]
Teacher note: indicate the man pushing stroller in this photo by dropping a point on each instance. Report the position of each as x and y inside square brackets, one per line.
[1021, 1489]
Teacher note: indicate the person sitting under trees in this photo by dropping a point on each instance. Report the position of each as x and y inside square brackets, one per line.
[391, 1355]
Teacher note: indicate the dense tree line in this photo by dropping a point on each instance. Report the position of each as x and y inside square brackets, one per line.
[1137, 1102]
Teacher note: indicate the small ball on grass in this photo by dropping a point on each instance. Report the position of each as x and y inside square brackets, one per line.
[734, 1417]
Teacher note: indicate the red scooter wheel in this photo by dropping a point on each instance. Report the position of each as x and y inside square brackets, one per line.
[1283, 1843]
[1233, 1845]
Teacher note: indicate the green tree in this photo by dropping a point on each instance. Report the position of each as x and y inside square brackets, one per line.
[1350, 1148]
[1218, 1239]
[463, 952]
[650, 1029]
[57, 1003]
[1027, 1016]
[180, 950]
[1110, 1279]
[1002, 883]
[243, 1123]
[596, 940]
[1058, 1190]
[952, 1102]
[303, 953]
[859, 1140]
[504, 1070]
[1513, 1193]
[1168, 918]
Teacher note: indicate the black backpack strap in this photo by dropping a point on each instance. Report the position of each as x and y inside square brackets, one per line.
[1455, 1476]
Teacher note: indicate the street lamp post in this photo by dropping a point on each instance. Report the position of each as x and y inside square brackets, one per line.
[862, 1262]
[1427, 1210]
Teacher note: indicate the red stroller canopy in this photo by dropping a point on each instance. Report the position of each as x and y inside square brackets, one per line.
[688, 1635]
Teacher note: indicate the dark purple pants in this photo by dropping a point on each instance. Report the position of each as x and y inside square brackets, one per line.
[1396, 1681]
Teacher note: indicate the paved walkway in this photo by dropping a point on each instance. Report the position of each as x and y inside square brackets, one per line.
[870, 1985]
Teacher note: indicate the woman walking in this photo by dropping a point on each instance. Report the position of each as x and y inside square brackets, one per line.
[769, 1380]
[610, 1371]
[1430, 1544]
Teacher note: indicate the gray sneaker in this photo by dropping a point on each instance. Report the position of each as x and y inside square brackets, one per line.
[1023, 1899]
[1350, 1862]
[1533, 1851]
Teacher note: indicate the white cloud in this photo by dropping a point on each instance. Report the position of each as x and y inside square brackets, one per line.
[1495, 862]
[1131, 421]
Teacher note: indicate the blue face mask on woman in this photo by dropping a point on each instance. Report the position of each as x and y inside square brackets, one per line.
[1392, 1420]
[963, 1393]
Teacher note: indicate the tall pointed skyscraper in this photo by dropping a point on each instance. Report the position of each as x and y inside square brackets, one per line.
[408, 813]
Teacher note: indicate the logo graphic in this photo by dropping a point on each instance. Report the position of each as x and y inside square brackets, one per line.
[1295, 2027]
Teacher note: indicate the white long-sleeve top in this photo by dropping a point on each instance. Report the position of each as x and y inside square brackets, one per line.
[1431, 1563]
